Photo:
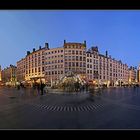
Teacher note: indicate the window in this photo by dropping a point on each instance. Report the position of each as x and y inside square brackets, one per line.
[73, 52]
[83, 52]
[39, 69]
[69, 64]
[73, 64]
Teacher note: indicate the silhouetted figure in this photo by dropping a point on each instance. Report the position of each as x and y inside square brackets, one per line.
[38, 88]
[42, 88]
[86, 86]
[18, 87]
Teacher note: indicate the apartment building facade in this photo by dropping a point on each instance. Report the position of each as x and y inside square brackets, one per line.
[69, 57]
[102, 69]
[132, 75]
[9, 75]
[0, 74]
[138, 74]
[49, 65]
[32, 68]
[54, 68]
[21, 69]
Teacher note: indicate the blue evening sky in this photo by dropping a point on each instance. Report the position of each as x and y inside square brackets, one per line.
[117, 31]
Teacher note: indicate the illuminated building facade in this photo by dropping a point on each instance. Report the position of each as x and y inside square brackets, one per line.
[0, 74]
[21, 70]
[70, 57]
[54, 68]
[132, 75]
[9, 75]
[102, 69]
[49, 65]
[138, 74]
[32, 67]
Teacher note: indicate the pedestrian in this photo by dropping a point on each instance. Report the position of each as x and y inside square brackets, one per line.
[38, 88]
[41, 88]
[18, 87]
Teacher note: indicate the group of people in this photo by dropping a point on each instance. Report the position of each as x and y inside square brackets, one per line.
[38, 86]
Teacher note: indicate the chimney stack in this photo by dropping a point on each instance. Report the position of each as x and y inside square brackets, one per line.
[28, 52]
[33, 49]
[39, 47]
[47, 46]
[85, 42]
[64, 41]
[106, 53]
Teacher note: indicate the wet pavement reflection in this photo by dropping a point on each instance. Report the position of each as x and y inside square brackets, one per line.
[104, 108]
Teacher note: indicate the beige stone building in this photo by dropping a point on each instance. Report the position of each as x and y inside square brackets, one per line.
[70, 57]
[50, 64]
[0, 74]
[138, 74]
[21, 69]
[132, 75]
[9, 75]
[32, 68]
[54, 68]
[75, 57]
[102, 69]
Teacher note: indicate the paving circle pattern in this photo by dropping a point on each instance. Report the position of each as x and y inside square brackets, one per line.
[70, 104]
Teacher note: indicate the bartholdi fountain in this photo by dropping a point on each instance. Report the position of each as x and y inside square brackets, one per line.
[70, 83]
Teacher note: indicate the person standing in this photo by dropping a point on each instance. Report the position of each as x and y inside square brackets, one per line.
[38, 88]
[41, 88]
